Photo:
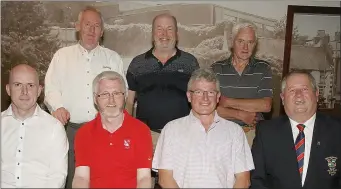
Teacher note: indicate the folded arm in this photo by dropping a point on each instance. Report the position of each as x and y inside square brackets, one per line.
[144, 179]
[242, 180]
[249, 105]
[130, 102]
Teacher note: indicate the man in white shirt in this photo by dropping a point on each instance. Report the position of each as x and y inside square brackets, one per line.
[68, 81]
[34, 144]
[203, 150]
[302, 149]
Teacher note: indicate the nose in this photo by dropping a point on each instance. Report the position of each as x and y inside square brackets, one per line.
[24, 89]
[245, 46]
[205, 95]
[92, 28]
[298, 93]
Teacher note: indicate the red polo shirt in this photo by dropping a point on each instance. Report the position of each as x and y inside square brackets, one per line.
[114, 158]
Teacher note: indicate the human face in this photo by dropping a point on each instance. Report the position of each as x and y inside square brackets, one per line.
[90, 29]
[110, 98]
[23, 88]
[203, 97]
[244, 44]
[299, 98]
[164, 33]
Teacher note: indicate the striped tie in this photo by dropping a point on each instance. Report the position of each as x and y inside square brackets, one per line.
[299, 146]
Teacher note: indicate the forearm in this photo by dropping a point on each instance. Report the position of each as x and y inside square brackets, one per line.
[228, 113]
[145, 182]
[249, 105]
[129, 107]
[168, 182]
[242, 180]
[79, 182]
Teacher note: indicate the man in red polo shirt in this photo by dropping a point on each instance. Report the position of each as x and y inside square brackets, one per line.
[114, 150]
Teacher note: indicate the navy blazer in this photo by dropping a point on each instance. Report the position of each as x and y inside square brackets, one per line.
[275, 162]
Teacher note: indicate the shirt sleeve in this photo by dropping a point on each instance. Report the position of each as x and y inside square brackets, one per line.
[130, 77]
[81, 145]
[59, 157]
[265, 87]
[242, 154]
[163, 152]
[144, 148]
[118, 64]
[53, 94]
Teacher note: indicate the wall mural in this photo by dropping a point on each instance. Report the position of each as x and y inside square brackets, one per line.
[32, 31]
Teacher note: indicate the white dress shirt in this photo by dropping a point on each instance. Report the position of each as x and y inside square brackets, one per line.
[201, 159]
[68, 80]
[308, 137]
[34, 151]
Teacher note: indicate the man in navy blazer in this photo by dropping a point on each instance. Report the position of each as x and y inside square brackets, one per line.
[302, 149]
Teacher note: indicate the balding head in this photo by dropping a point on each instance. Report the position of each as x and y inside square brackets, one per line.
[24, 90]
[23, 68]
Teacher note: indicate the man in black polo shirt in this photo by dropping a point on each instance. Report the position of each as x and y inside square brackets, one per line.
[246, 82]
[159, 77]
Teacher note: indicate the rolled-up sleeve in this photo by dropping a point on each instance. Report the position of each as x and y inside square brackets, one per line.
[242, 153]
[265, 88]
[59, 158]
[163, 155]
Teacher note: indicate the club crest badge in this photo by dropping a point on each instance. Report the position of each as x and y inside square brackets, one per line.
[331, 165]
[126, 143]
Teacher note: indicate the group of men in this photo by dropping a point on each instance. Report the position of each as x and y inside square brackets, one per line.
[194, 126]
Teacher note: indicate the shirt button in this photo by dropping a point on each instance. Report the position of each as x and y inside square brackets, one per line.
[88, 111]
[87, 72]
[17, 177]
[87, 97]
[19, 150]
[110, 144]
[22, 123]
[87, 59]
[18, 163]
[20, 137]
[87, 84]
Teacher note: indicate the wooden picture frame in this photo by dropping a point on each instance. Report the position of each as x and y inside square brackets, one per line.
[320, 54]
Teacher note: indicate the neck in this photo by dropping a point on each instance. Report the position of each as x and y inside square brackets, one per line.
[111, 124]
[301, 118]
[164, 53]
[89, 48]
[238, 61]
[206, 120]
[23, 114]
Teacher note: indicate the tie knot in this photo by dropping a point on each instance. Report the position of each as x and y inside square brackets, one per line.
[300, 127]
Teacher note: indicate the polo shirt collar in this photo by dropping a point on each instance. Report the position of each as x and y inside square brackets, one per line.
[149, 53]
[84, 51]
[251, 62]
[99, 125]
[197, 121]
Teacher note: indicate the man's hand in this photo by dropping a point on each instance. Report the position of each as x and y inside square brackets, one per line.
[249, 118]
[62, 115]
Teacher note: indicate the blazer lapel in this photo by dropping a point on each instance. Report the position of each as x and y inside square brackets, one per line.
[290, 152]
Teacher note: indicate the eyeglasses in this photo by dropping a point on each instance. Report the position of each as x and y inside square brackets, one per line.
[201, 93]
[107, 95]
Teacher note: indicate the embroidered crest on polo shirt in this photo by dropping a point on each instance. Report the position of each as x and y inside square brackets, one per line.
[126, 143]
[181, 70]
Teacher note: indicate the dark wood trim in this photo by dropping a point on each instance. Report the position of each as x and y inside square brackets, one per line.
[291, 11]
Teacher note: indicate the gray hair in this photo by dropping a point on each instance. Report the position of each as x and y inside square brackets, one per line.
[239, 26]
[299, 72]
[93, 9]
[166, 15]
[109, 75]
[206, 74]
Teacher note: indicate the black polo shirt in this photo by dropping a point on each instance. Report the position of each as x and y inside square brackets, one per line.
[254, 82]
[161, 88]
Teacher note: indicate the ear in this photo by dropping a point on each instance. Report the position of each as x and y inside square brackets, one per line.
[317, 94]
[102, 32]
[282, 97]
[8, 90]
[218, 97]
[95, 100]
[189, 96]
[40, 88]
[78, 26]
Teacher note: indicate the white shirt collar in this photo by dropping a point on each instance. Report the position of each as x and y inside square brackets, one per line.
[84, 51]
[309, 124]
[9, 111]
[194, 119]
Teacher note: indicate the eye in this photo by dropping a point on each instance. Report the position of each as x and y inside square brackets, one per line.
[31, 85]
[17, 84]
